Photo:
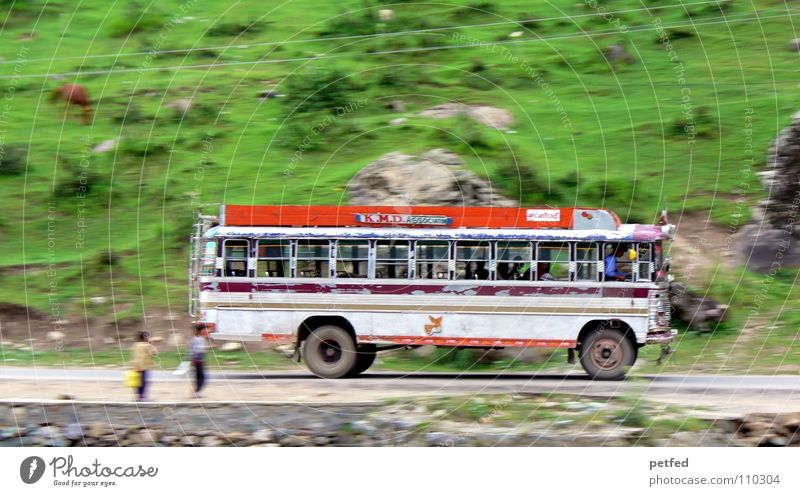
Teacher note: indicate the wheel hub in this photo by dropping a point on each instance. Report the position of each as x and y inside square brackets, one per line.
[606, 354]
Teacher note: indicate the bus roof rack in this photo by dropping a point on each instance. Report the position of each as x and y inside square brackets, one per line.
[417, 216]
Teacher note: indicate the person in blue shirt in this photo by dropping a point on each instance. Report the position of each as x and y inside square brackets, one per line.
[612, 273]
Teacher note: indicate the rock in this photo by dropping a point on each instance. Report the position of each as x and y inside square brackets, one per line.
[433, 178]
[489, 116]
[695, 310]
[105, 146]
[55, 336]
[190, 440]
[264, 436]
[396, 106]
[268, 94]
[442, 439]
[212, 441]
[399, 121]
[386, 15]
[182, 105]
[618, 53]
[98, 300]
[73, 432]
[515, 34]
[100, 429]
[794, 45]
[763, 249]
[231, 346]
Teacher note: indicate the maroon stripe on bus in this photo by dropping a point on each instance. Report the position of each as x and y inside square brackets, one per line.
[418, 289]
[625, 292]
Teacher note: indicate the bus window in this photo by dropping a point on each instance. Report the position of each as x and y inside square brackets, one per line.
[472, 260]
[391, 259]
[432, 259]
[209, 255]
[586, 261]
[236, 253]
[644, 259]
[514, 260]
[313, 258]
[352, 259]
[552, 261]
[273, 258]
[617, 265]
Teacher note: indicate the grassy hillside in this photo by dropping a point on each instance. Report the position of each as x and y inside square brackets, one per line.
[683, 119]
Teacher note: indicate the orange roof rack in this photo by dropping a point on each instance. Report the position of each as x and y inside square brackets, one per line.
[434, 217]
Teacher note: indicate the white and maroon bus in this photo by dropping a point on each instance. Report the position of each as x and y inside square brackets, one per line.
[342, 283]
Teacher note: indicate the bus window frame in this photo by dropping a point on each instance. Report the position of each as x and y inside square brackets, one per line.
[448, 261]
[530, 260]
[575, 259]
[457, 260]
[225, 257]
[335, 260]
[330, 259]
[288, 261]
[568, 262]
[375, 261]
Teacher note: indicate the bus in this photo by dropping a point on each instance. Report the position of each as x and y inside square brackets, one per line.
[341, 283]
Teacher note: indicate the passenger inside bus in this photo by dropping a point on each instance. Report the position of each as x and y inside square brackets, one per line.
[612, 271]
[543, 272]
[480, 271]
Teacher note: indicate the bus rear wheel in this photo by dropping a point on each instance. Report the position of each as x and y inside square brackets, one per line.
[365, 359]
[330, 352]
[606, 354]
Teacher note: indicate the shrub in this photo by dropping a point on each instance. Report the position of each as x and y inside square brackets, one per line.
[519, 181]
[12, 160]
[363, 22]
[319, 90]
[75, 178]
[136, 19]
[236, 28]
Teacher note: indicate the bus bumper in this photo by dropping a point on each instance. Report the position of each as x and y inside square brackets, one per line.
[666, 336]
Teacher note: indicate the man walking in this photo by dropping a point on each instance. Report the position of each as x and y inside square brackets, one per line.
[197, 352]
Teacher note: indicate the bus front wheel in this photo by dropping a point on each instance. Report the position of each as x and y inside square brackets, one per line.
[365, 359]
[330, 352]
[606, 354]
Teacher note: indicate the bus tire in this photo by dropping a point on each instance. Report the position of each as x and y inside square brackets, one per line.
[365, 359]
[330, 352]
[606, 354]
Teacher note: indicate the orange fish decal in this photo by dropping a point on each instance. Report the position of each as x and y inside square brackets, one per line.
[435, 326]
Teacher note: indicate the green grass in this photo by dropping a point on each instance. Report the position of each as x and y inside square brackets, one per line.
[624, 146]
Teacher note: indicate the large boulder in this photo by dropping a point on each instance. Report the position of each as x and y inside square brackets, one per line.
[695, 310]
[436, 177]
[772, 242]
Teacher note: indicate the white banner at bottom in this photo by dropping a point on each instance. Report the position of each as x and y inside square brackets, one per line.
[400, 471]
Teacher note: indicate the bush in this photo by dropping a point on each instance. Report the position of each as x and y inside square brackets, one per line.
[519, 181]
[12, 160]
[360, 23]
[135, 19]
[237, 28]
[75, 179]
[319, 90]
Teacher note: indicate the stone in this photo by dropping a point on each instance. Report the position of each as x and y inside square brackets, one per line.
[100, 429]
[55, 336]
[695, 310]
[386, 15]
[399, 121]
[489, 116]
[212, 441]
[618, 53]
[440, 439]
[268, 94]
[190, 440]
[231, 346]
[182, 105]
[396, 106]
[794, 45]
[763, 248]
[264, 436]
[105, 146]
[515, 34]
[436, 177]
[73, 431]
